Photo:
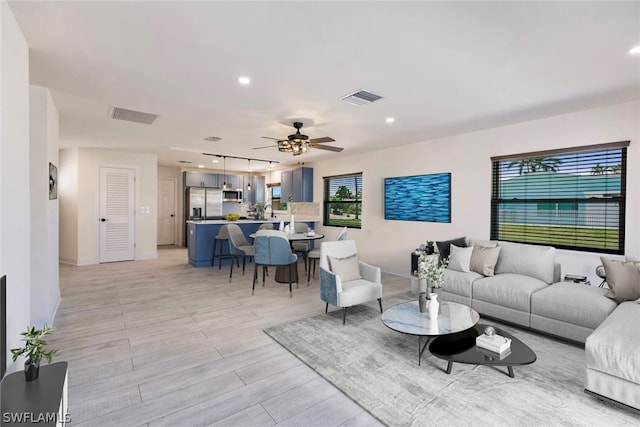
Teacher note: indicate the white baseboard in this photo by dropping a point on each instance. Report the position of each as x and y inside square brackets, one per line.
[68, 261]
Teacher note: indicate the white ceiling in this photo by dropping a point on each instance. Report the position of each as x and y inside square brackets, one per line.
[442, 67]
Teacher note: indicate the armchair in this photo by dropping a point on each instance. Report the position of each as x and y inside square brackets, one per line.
[363, 281]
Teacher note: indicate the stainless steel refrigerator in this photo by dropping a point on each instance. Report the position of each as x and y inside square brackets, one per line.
[204, 203]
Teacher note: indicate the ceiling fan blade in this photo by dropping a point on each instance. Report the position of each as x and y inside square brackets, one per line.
[266, 146]
[275, 139]
[321, 140]
[327, 147]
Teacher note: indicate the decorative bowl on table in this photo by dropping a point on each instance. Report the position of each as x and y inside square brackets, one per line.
[232, 217]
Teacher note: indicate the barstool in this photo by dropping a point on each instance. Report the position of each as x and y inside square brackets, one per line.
[222, 236]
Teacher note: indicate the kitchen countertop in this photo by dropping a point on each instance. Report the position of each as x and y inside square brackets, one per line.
[224, 221]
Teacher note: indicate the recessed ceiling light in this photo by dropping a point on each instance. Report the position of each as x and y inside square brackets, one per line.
[244, 81]
[200, 166]
[390, 120]
[215, 161]
[634, 50]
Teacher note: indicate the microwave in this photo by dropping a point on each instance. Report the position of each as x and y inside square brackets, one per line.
[232, 195]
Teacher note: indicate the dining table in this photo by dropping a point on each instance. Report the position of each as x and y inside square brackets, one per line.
[282, 273]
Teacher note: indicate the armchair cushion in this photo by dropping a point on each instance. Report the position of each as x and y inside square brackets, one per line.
[347, 268]
[358, 291]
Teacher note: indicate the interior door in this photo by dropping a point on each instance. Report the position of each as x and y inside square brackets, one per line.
[166, 211]
[117, 214]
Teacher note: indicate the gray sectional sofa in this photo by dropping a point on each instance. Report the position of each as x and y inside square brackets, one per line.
[526, 290]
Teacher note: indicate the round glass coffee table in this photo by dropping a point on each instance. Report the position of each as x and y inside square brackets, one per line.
[452, 318]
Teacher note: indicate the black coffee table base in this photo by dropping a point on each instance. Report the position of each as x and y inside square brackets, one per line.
[461, 348]
[422, 348]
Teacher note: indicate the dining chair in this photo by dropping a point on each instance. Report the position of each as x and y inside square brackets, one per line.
[346, 281]
[301, 247]
[272, 249]
[238, 247]
[314, 255]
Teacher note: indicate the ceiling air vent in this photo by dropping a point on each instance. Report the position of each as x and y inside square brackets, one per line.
[132, 115]
[213, 138]
[360, 97]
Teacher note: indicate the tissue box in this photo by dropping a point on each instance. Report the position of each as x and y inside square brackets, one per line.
[495, 343]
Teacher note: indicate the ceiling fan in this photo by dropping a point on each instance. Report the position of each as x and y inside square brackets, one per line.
[298, 143]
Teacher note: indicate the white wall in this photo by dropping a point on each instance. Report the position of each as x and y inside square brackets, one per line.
[88, 164]
[175, 174]
[467, 157]
[45, 290]
[68, 200]
[15, 204]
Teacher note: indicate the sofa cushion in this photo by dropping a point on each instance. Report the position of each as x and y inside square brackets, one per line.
[485, 243]
[456, 282]
[444, 248]
[508, 290]
[573, 303]
[357, 291]
[613, 347]
[348, 268]
[484, 259]
[460, 259]
[623, 279]
[529, 260]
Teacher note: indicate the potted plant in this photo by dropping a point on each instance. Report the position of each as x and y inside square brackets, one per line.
[429, 248]
[34, 350]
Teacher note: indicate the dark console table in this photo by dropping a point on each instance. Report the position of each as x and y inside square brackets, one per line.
[42, 402]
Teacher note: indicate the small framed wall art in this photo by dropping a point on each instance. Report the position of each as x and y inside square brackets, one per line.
[53, 181]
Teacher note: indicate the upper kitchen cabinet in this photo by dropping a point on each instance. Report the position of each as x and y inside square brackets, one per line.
[199, 179]
[257, 192]
[233, 181]
[298, 184]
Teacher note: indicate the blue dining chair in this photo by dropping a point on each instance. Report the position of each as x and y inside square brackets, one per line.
[272, 248]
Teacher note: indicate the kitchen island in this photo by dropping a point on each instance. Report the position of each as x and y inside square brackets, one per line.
[200, 236]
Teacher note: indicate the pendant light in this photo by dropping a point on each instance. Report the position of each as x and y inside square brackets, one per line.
[249, 184]
[224, 183]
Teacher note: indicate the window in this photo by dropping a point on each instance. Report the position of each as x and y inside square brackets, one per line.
[570, 199]
[274, 190]
[343, 200]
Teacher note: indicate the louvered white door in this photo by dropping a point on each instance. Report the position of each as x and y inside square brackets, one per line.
[117, 214]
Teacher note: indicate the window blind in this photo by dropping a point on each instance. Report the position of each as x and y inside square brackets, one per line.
[342, 201]
[571, 199]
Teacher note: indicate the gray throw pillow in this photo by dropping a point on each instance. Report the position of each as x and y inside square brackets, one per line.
[484, 259]
[623, 279]
[444, 248]
[348, 268]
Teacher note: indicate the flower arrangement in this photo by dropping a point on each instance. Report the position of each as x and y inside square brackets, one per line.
[429, 268]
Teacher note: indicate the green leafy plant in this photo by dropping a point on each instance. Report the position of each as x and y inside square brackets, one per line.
[34, 345]
[429, 268]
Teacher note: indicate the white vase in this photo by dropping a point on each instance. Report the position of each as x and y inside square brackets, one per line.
[281, 228]
[292, 226]
[434, 305]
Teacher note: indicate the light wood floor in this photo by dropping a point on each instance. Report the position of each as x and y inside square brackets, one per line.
[162, 343]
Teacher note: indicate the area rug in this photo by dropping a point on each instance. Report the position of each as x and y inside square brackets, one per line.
[378, 369]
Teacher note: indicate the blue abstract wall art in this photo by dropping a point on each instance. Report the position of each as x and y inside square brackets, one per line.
[418, 198]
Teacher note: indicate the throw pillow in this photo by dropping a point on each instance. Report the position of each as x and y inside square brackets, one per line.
[485, 243]
[623, 279]
[348, 268]
[484, 259]
[459, 259]
[444, 248]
